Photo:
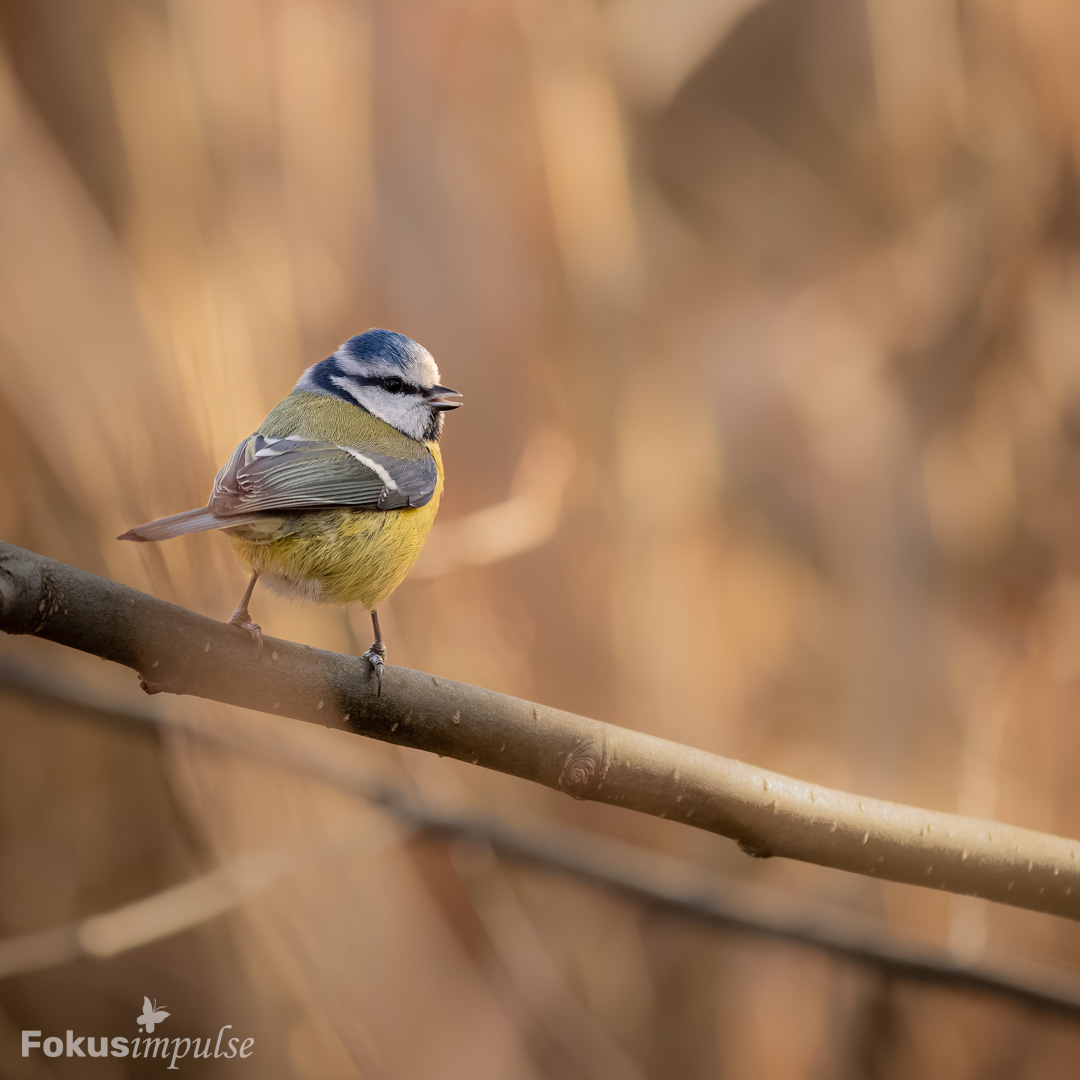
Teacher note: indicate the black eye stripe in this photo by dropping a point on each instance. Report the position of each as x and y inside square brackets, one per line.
[398, 385]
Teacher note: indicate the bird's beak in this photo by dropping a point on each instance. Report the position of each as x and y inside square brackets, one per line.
[437, 396]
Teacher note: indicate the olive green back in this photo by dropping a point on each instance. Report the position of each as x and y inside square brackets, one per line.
[317, 416]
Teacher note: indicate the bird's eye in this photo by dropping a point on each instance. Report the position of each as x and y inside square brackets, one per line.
[393, 384]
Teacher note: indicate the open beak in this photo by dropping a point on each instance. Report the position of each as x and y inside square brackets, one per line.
[438, 398]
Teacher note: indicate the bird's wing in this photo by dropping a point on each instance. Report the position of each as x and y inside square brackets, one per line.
[267, 473]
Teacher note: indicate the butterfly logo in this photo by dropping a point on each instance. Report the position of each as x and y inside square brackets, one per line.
[151, 1015]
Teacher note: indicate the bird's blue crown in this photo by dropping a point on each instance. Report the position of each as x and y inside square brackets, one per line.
[386, 345]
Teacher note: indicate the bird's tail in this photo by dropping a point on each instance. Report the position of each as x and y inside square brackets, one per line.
[190, 521]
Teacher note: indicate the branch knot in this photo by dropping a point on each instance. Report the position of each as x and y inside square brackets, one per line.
[29, 595]
[584, 770]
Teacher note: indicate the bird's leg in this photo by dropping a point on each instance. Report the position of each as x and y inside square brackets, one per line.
[376, 655]
[242, 617]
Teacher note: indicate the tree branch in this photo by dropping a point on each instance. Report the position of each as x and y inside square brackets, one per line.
[653, 880]
[180, 652]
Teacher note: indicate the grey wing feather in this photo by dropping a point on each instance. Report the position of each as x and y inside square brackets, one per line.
[265, 473]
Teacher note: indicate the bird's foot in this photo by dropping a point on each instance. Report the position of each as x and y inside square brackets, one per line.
[242, 618]
[376, 657]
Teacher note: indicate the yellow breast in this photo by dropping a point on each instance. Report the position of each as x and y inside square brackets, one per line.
[339, 554]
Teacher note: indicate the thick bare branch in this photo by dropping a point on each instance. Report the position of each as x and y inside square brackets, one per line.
[653, 880]
[180, 652]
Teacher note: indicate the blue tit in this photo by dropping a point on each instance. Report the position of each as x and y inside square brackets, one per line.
[333, 496]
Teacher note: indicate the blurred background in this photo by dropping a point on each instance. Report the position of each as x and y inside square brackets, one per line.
[767, 318]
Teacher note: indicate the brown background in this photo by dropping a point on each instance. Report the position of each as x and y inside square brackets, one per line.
[767, 318]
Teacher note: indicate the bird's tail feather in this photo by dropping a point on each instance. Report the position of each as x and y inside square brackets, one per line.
[190, 521]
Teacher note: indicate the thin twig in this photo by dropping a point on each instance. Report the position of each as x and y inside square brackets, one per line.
[654, 880]
[175, 909]
[177, 651]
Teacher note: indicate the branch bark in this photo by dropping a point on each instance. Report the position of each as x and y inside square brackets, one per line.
[177, 651]
[655, 881]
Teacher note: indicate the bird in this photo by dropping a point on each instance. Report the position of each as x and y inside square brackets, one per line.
[332, 497]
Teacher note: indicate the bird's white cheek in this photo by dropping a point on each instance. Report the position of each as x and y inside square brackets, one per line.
[406, 412]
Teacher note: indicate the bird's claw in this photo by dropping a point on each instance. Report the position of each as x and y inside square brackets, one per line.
[245, 622]
[376, 657]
